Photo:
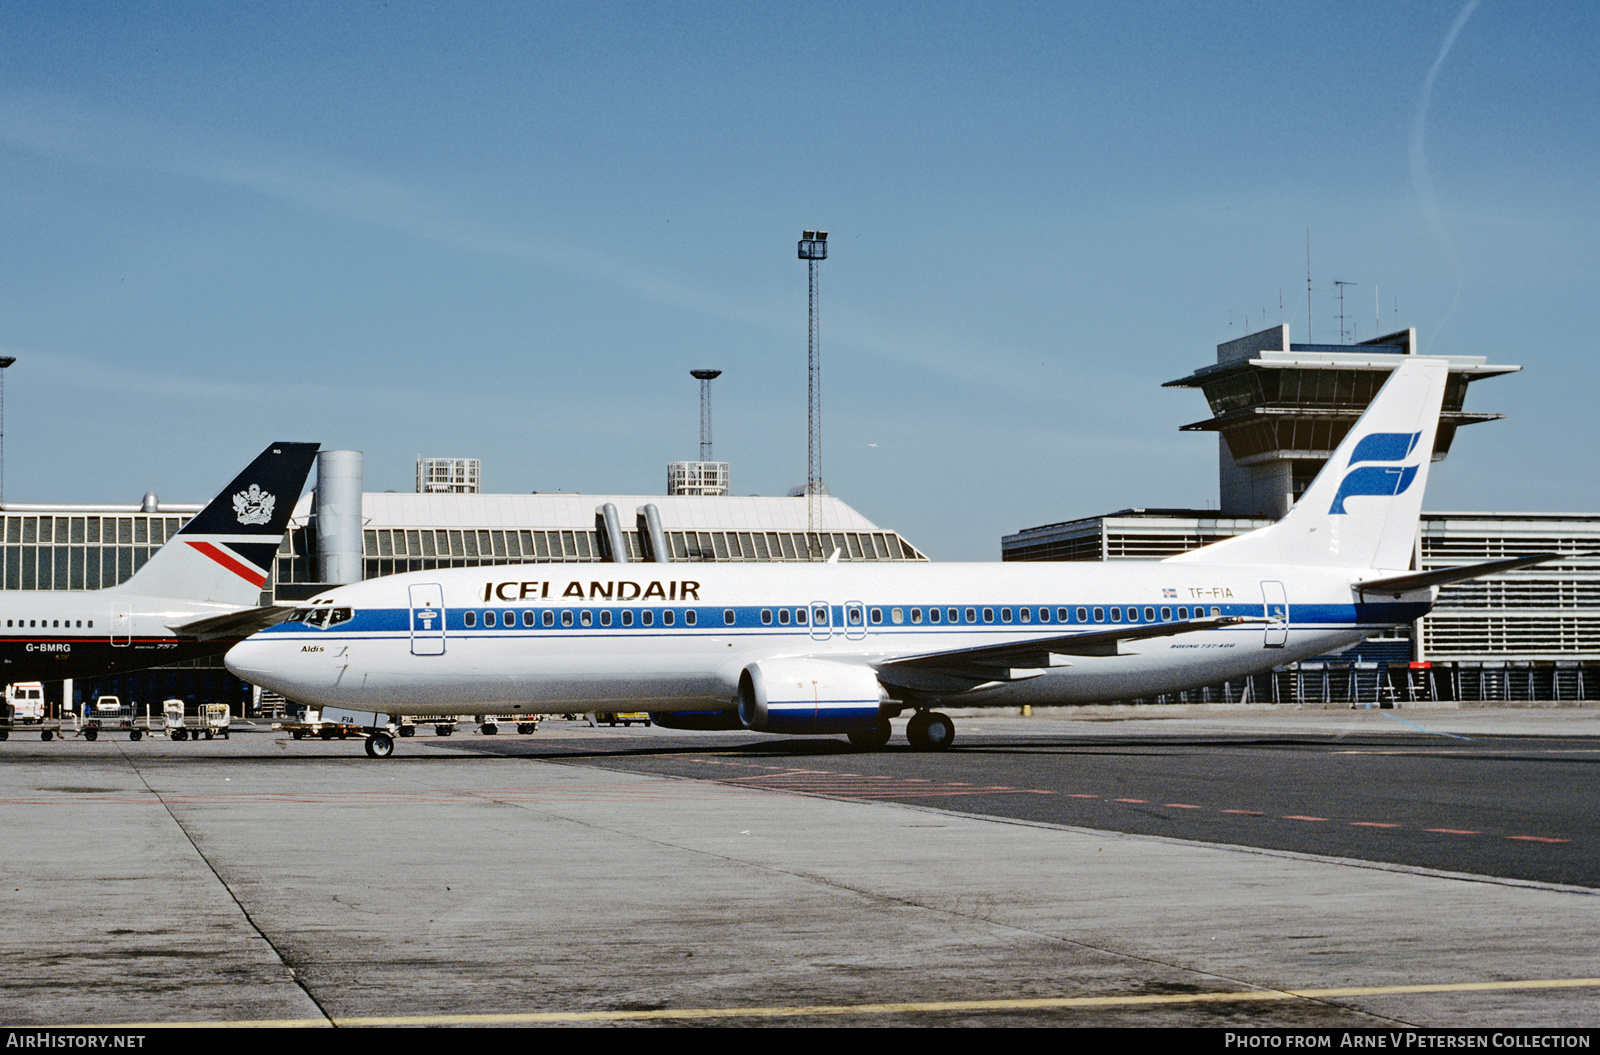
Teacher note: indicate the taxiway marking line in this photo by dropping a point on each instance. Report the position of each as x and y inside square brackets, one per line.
[920, 1006]
[830, 784]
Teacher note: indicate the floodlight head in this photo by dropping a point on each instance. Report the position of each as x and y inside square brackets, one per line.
[813, 245]
[705, 375]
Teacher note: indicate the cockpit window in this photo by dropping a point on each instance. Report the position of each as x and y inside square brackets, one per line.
[322, 618]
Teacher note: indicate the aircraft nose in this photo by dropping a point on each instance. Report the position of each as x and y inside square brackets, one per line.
[275, 665]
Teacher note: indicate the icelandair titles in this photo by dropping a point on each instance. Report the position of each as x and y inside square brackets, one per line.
[671, 590]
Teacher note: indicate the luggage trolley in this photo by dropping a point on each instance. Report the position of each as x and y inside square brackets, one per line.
[108, 713]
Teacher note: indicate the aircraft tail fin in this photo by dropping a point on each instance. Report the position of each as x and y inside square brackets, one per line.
[224, 555]
[1363, 509]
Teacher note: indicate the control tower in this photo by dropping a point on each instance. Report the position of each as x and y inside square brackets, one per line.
[1280, 409]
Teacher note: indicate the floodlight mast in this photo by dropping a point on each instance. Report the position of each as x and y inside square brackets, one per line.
[705, 377]
[813, 248]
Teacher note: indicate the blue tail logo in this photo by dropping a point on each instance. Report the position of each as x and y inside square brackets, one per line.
[1383, 481]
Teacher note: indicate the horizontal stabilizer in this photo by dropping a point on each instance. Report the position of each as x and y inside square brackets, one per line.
[1009, 662]
[234, 624]
[1395, 585]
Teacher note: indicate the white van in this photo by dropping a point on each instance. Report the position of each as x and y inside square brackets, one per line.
[25, 702]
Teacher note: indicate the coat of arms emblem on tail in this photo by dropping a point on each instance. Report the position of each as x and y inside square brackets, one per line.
[253, 506]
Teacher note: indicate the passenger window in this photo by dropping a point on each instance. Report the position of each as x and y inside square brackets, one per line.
[1216, 612]
[605, 618]
[1149, 615]
[876, 616]
[972, 615]
[819, 617]
[666, 617]
[1183, 613]
[916, 616]
[783, 617]
[1027, 615]
[766, 617]
[586, 617]
[566, 618]
[1116, 615]
[1099, 615]
[988, 615]
[627, 617]
[1166, 615]
[727, 617]
[549, 618]
[488, 619]
[469, 619]
[528, 618]
[647, 617]
[933, 615]
[690, 618]
[800, 616]
[1005, 615]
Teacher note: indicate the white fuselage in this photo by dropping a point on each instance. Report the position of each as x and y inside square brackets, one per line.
[551, 638]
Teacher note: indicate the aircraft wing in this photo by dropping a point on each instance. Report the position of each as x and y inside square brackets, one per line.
[240, 624]
[963, 668]
[1395, 585]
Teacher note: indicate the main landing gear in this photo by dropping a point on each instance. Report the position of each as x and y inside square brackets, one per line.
[872, 738]
[930, 731]
[925, 731]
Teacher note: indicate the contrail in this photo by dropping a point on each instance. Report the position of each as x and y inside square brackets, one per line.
[1420, 178]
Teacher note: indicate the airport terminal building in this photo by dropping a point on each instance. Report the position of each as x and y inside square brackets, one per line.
[1279, 410]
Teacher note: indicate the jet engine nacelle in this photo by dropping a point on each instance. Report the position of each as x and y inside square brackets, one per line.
[809, 696]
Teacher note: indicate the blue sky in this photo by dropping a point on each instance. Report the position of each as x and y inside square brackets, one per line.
[508, 231]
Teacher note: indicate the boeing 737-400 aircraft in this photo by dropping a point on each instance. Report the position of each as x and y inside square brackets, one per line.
[196, 595]
[842, 648]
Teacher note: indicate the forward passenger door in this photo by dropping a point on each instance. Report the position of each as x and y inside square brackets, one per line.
[427, 620]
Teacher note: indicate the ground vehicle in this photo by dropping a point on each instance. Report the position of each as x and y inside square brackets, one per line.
[108, 712]
[215, 718]
[311, 724]
[172, 720]
[25, 702]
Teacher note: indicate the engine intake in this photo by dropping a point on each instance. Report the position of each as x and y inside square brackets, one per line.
[809, 696]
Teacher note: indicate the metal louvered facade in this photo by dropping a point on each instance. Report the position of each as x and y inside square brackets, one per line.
[403, 532]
